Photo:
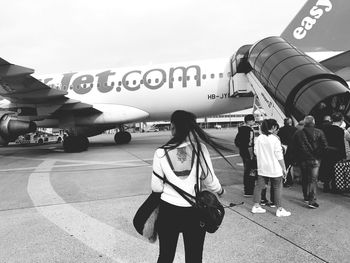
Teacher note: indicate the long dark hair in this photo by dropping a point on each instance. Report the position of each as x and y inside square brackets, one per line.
[186, 127]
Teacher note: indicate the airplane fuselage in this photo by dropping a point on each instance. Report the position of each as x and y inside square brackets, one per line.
[201, 87]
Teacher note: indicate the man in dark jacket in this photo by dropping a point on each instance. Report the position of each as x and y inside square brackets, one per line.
[286, 134]
[245, 142]
[309, 145]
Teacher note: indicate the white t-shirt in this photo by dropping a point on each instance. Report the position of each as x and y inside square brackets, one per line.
[268, 151]
[181, 157]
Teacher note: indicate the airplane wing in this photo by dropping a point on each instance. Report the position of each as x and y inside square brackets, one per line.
[28, 96]
[18, 86]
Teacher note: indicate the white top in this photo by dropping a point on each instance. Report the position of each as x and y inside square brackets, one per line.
[181, 159]
[268, 151]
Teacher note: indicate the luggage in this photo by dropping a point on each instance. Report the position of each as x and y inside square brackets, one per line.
[342, 175]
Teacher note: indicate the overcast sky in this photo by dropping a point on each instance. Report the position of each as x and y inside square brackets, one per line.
[64, 35]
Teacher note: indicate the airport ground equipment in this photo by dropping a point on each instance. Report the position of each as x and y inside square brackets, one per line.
[287, 81]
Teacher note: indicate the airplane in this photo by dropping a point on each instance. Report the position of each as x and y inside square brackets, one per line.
[90, 102]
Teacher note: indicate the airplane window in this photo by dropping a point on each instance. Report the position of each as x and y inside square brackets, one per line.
[149, 81]
[172, 79]
[212, 76]
[98, 84]
[180, 78]
[228, 74]
[204, 76]
[84, 86]
[188, 77]
[195, 77]
[134, 82]
[91, 85]
[221, 75]
[156, 80]
[112, 83]
[141, 81]
[71, 86]
[105, 84]
[127, 82]
[64, 87]
[119, 83]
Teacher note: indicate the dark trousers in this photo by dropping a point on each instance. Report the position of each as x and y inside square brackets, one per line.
[173, 220]
[309, 173]
[248, 180]
[327, 173]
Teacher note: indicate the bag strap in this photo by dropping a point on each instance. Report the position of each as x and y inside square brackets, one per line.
[169, 161]
[309, 143]
[181, 192]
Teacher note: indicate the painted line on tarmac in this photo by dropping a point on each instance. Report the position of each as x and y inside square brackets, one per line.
[119, 164]
[77, 163]
[279, 235]
[103, 238]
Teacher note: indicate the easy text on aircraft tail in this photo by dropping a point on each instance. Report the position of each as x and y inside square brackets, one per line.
[321, 25]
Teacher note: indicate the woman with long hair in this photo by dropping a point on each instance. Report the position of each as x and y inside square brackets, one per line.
[185, 161]
[269, 155]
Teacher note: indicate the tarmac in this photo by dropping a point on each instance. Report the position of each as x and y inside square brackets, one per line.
[78, 207]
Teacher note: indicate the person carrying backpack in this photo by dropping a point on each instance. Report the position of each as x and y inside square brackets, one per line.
[185, 162]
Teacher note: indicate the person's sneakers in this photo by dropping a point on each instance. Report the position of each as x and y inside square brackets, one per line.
[282, 212]
[270, 204]
[313, 205]
[264, 202]
[258, 210]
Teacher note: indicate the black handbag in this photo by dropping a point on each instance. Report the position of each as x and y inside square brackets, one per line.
[210, 211]
[145, 219]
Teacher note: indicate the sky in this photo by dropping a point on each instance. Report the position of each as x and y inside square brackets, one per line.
[57, 36]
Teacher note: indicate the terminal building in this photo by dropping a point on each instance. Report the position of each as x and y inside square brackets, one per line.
[227, 120]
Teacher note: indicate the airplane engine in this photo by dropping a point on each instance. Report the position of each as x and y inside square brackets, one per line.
[11, 128]
[297, 82]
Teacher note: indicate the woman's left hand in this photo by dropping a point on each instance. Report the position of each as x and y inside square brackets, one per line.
[222, 192]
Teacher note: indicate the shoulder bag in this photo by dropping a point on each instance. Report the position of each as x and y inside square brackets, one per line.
[210, 211]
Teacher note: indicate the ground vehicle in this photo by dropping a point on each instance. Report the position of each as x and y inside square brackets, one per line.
[152, 128]
[39, 137]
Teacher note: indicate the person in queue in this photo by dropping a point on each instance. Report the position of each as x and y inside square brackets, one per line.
[309, 145]
[285, 134]
[336, 137]
[245, 142]
[270, 163]
[185, 161]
